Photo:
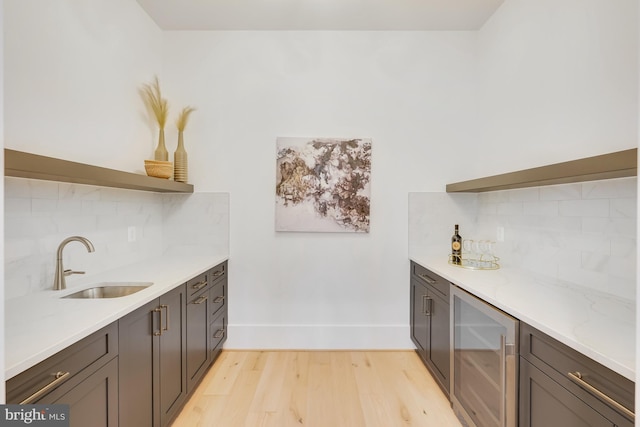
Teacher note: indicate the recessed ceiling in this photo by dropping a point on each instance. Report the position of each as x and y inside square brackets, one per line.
[320, 14]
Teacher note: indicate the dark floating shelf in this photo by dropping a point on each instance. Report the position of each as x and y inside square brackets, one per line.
[34, 166]
[606, 166]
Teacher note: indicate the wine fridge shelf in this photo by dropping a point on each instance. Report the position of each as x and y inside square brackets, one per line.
[476, 263]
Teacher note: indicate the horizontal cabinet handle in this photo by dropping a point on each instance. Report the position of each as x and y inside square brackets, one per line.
[59, 378]
[218, 299]
[218, 273]
[200, 300]
[577, 378]
[199, 285]
[427, 279]
[219, 333]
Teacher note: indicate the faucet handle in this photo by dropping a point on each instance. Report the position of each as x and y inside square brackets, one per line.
[70, 272]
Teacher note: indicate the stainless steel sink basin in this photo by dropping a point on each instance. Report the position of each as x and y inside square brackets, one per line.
[110, 290]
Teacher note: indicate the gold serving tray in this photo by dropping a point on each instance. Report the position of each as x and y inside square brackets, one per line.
[477, 264]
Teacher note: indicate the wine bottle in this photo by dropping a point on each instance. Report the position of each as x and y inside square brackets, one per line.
[456, 247]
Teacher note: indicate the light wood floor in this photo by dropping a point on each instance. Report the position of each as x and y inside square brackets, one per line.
[317, 389]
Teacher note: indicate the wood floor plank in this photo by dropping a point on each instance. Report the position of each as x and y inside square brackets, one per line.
[223, 374]
[317, 389]
[295, 390]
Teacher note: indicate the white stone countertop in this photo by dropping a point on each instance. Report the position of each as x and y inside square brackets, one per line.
[598, 325]
[39, 325]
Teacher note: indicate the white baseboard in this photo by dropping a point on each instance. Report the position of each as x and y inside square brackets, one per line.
[318, 337]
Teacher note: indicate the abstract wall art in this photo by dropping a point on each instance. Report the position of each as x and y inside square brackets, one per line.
[323, 184]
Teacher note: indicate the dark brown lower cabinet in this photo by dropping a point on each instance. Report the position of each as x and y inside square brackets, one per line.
[218, 309]
[197, 337]
[153, 361]
[562, 387]
[218, 332]
[430, 322]
[93, 402]
[545, 403]
[83, 375]
[139, 370]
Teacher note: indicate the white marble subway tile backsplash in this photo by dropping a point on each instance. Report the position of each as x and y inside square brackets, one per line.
[588, 240]
[581, 233]
[40, 214]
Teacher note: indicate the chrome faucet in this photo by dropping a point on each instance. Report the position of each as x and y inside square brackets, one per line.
[59, 281]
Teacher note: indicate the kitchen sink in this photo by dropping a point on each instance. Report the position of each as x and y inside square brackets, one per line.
[110, 290]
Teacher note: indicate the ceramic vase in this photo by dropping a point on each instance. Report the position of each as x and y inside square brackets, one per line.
[180, 164]
[161, 152]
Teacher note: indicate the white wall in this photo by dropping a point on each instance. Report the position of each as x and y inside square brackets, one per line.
[637, 389]
[2, 283]
[559, 81]
[74, 69]
[411, 93]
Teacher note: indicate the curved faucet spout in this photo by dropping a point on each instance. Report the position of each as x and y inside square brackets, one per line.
[59, 279]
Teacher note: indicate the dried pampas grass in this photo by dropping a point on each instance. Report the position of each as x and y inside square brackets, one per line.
[156, 104]
[183, 118]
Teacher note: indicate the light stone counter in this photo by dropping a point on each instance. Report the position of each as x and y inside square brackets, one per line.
[39, 325]
[600, 326]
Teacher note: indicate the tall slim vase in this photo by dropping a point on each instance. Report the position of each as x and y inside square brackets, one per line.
[180, 163]
[161, 152]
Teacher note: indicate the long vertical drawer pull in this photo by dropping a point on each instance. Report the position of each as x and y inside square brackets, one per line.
[199, 285]
[428, 305]
[60, 377]
[166, 307]
[576, 377]
[219, 333]
[200, 300]
[218, 299]
[159, 332]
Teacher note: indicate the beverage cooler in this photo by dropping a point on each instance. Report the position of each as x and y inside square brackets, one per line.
[485, 363]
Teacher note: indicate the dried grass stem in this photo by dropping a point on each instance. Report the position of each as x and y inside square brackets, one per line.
[155, 103]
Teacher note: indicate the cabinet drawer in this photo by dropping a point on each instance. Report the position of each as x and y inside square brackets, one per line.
[218, 272]
[218, 297]
[206, 279]
[438, 283]
[81, 358]
[218, 330]
[198, 284]
[559, 361]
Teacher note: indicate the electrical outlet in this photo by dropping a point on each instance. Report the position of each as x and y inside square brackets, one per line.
[131, 234]
[500, 234]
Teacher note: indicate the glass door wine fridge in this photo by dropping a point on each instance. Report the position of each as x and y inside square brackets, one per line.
[485, 363]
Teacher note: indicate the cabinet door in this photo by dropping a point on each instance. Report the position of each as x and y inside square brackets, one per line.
[438, 351]
[545, 403]
[137, 365]
[94, 401]
[419, 318]
[172, 370]
[197, 338]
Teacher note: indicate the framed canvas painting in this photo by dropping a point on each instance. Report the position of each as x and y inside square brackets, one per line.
[323, 184]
